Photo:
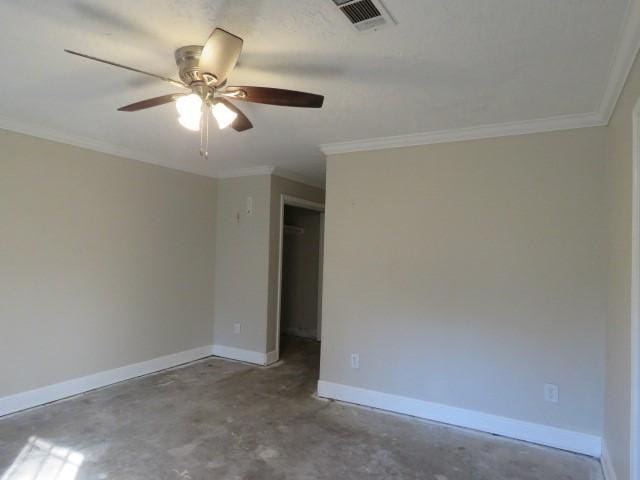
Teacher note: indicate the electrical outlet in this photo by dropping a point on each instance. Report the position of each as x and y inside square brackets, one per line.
[355, 360]
[249, 205]
[236, 328]
[551, 393]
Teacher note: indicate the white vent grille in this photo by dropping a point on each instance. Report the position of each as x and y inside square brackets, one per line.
[365, 14]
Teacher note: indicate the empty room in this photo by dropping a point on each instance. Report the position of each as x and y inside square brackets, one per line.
[321, 239]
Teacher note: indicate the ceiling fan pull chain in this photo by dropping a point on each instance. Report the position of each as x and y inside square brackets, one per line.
[201, 135]
[206, 133]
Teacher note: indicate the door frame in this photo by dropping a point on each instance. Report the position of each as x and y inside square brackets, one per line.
[292, 201]
[635, 302]
[320, 277]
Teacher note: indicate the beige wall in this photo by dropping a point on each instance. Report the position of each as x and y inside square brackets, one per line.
[470, 274]
[104, 262]
[618, 373]
[108, 262]
[247, 259]
[242, 253]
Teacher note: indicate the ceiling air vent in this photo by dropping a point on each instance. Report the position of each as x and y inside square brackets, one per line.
[365, 14]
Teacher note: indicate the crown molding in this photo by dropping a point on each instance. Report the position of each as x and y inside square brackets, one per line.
[245, 172]
[564, 122]
[624, 57]
[296, 177]
[269, 170]
[53, 135]
[45, 133]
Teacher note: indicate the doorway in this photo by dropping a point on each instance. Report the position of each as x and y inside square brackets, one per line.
[300, 281]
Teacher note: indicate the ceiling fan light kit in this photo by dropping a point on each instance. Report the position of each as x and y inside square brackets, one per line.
[189, 109]
[223, 115]
[204, 71]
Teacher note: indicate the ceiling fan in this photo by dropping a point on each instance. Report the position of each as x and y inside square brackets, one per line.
[204, 71]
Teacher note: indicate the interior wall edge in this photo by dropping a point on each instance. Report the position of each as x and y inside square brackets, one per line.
[622, 64]
[241, 355]
[607, 465]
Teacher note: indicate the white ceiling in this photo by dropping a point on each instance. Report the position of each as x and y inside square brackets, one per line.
[448, 64]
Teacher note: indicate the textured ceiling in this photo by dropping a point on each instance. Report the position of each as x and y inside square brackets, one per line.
[447, 64]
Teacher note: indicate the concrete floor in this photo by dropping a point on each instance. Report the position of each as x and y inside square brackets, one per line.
[217, 419]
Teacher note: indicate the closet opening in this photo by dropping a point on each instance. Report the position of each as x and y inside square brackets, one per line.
[300, 285]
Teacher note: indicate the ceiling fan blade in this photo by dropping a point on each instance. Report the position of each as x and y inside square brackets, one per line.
[177, 83]
[276, 96]
[220, 54]
[241, 123]
[151, 102]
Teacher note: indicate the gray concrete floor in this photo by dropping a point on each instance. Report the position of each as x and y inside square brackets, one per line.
[217, 419]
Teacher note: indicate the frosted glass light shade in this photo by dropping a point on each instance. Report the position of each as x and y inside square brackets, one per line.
[190, 109]
[223, 115]
[190, 123]
[189, 105]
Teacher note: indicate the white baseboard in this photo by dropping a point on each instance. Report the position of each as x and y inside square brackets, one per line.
[508, 427]
[248, 356]
[58, 391]
[607, 465]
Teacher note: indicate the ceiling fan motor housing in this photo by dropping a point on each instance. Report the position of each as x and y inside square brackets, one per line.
[188, 61]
